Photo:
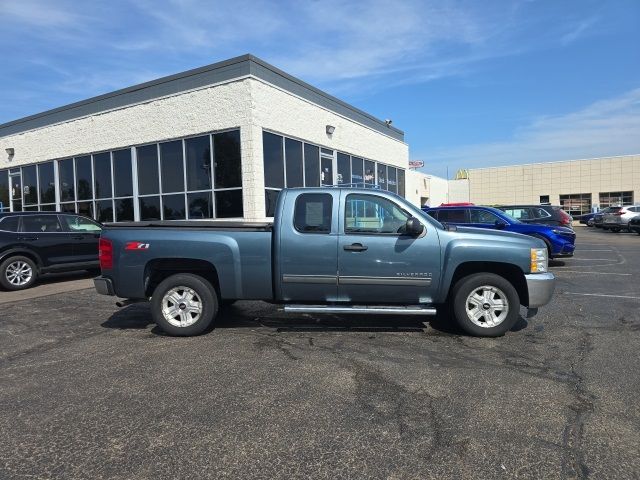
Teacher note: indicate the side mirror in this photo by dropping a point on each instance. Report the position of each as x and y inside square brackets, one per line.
[413, 227]
[500, 224]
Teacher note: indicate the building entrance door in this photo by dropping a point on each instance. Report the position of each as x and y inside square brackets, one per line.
[15, 183]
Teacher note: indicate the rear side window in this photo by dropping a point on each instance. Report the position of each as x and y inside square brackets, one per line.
[41, 223]
[542, 213]
[433, 213]
[10, 224]
[313, 213]
[454, 215]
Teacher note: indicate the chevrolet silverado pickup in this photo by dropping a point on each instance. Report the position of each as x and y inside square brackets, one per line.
[328, 250]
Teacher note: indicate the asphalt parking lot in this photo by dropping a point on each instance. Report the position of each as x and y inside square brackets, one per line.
[92, 391]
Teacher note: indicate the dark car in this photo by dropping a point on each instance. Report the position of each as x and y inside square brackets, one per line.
[560, 241]
[587, 219]
[33, 243]
[634, 224]
[542, 214]
[598, 218]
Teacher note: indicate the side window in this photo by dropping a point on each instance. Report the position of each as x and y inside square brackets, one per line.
[41, 223]
[542, 213]
[80, 224]
[433, 213]
[483, 216]
[9, 224]
[453, 215]
[373, 214]
[519, 213]
[313, 213]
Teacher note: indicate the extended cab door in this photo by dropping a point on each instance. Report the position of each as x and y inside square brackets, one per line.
[377, 262]
[306, 245]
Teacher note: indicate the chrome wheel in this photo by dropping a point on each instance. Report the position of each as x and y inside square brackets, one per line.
[18, 273]
[487, 306]
[181, 306]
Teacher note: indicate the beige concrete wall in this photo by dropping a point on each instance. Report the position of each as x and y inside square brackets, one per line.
[526, 183]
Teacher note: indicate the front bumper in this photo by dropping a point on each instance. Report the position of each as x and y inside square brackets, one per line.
[104, 286]
[540, 287]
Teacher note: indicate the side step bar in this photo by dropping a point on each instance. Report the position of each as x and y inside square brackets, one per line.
[377, 309]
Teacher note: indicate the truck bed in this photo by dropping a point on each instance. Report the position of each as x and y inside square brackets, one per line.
[197, 224]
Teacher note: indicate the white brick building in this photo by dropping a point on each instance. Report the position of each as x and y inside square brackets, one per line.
[213, 142]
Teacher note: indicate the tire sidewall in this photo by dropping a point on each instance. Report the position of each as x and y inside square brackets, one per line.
[17, 258]
[466, 285]
[204, 290]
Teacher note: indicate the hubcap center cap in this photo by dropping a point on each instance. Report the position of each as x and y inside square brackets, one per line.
[486, 306]
[182, 306]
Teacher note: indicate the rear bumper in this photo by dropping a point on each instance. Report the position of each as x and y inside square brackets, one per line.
[540, 287]
[104, 286]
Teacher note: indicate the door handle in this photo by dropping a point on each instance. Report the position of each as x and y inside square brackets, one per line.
[27, 239]
[78, 237]
[355, 247]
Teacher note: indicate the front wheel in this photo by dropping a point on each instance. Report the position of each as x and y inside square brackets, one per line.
[485, 304]
[18, 273]
[184, 305]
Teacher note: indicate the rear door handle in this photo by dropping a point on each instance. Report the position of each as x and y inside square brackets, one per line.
[78, 237]
[27, 239]
[355, 247]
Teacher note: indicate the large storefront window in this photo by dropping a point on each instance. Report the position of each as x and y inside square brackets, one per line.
[193, 178]
[576, 204]
[613, 199]
[292, 163]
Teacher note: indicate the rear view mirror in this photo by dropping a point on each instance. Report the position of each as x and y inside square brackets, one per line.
[414, 227]
[500, 224]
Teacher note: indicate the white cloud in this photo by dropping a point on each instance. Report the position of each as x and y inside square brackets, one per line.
[36, 13]
[605, 128]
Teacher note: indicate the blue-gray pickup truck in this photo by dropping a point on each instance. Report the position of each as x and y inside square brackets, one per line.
[329, 250]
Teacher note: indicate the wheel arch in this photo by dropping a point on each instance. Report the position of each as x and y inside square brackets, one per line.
[22, 252]
[512, 273]
[159, 269]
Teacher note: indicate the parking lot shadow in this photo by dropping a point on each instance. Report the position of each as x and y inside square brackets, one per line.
[138, 316]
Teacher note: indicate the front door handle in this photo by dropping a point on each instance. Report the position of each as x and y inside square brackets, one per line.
[27, 239]
[355, 247]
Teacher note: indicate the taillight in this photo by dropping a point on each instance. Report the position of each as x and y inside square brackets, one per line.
[105, 254]
[620, 213]
[565, 219]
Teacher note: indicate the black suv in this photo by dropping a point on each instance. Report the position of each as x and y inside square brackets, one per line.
[32, 243]
[543, 214]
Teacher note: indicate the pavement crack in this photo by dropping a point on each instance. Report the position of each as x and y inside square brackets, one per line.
[574, 465]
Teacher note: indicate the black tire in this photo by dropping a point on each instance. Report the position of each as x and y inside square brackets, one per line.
[208, 302]
[12, 263]
[466, 286]
[615, 229]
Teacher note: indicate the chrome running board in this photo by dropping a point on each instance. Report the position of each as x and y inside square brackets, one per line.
[376, 310]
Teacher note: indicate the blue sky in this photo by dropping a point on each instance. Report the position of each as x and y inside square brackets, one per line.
[471, 83]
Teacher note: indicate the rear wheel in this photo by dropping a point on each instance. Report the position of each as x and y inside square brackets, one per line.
[590, 222]
[615, 229]
[184, 305]
[485, 304]
[18, 273]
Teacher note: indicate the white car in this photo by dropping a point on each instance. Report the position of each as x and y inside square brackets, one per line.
[617, 218]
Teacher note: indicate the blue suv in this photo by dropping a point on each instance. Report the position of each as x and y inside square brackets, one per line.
[560, 240]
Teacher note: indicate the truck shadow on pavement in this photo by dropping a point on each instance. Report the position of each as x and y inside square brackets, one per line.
[138, 316]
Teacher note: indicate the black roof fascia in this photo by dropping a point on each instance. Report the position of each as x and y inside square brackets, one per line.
[227, 70]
